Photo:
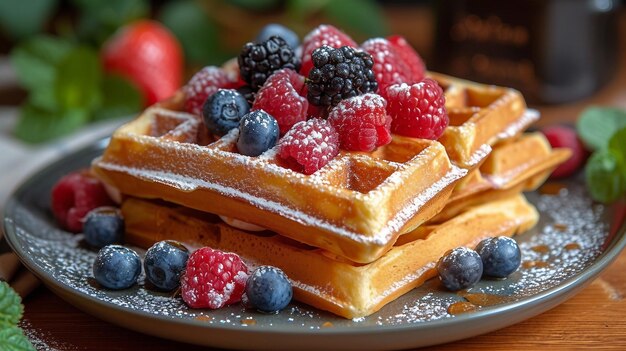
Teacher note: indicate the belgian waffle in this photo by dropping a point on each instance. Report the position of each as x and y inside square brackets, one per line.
[512, 167]
[355, 207]
[322, 279]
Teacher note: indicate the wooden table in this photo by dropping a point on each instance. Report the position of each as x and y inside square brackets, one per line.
[593, 319]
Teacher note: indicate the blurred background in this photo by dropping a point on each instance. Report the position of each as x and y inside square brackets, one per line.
[554, 51]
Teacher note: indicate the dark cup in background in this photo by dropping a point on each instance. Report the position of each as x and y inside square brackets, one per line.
[554, 51]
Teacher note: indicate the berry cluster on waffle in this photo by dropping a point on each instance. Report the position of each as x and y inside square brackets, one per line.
[363, 166]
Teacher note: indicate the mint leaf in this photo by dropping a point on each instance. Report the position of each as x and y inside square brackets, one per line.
[35, 64]
[361, 16]
[120, 98]
[617, 142]
[99, 19]
[80, 74]
[38, 125]
[197, 35]
[604, 175]
[596, 125]
[21, 19]
[13, 339]
[11, 308]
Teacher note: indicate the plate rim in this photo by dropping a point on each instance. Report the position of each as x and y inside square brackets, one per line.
[567, 286]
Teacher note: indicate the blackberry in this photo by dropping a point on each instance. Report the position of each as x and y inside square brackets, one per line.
[258, 61]
[339, 74]
[247, 93]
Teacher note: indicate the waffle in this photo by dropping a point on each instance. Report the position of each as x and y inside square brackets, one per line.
[519, 165]
[355, 207]
[323, 279]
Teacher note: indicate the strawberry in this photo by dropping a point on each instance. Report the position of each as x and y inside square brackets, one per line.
[148, 55]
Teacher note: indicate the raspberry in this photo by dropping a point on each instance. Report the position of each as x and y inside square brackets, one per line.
[74, 195]
[410, 57]
[339, 74]
[417, 110]
[564, 136]
[202, 85]
[362, 122]
[322, 35]
[213, 279]
[280, 97]
[257, 62]
[389, 67]
[310, 145]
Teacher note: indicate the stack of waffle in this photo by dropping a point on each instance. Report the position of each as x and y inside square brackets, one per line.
[361, 231]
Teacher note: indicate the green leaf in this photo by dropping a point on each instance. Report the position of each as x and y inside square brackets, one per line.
[617, 142]
[78, 86]
[37, 125]
[361, 16]
[13, 339]
[193, 28]
[604, 174]
[120, 98]
[99, 19]
[20, 19]
[303, 8]
[35, 63]
[596, 125]
[11, 308]
[256, 5]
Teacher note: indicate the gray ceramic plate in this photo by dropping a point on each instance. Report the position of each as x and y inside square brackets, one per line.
[573, 242]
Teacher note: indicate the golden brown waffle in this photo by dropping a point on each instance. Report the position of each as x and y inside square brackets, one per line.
[355, 207]
[321, 279]
[512, 167]
[480, 116]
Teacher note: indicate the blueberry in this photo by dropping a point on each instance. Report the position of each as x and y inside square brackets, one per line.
[103, 226]
[279, 30]
[223, 110]
[501, 256]
[268, 289]
[116, 267]
[460, 268]
[164, 262]
[258, 132]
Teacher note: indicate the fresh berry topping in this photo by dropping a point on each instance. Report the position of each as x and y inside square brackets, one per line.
[389, 67]
[564, 136]
[74, 196]
[417, 110]
[409, 56]
[339, 74]
[204, 84]
[362, 122]
[103, 226]
[460, 268]
[309, 145]
[116, 267]
[164, 263]
[280, 97]
[223, 110]
[213, 279]
[275, 29]
[258, 61]
[148, 54]
[268, 289]
[258, 132]
[501, 256]
[322, 35]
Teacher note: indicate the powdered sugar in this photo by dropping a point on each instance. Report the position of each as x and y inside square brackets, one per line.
[567, 218]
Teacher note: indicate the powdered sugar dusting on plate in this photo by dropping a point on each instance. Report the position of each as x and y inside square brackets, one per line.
[569, 239]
